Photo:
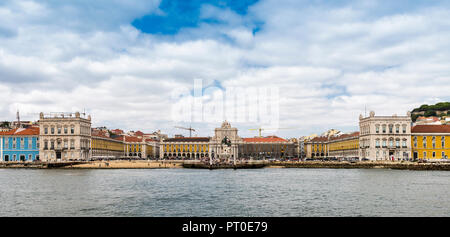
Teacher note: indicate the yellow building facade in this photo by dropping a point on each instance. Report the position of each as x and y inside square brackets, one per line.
[137, 147]
[185, 148]
[106, 147]
[317, 147]
[345, 145]
[431, 142]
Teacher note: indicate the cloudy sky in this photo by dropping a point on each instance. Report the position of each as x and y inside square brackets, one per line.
[123, 61]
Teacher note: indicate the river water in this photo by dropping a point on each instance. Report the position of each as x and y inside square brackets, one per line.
[252, 192]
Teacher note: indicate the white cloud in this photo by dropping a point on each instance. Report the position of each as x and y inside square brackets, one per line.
[328, 62]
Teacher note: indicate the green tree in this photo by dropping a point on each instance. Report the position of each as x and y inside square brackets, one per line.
[5, 124]
[429, 113]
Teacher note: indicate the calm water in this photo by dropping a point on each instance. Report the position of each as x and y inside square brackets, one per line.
[261, 192]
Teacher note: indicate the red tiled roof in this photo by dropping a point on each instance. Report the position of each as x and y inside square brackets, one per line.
[264, 139]
[432, 118]
[319, 139]
[132, 139]
[117, 131]
[343, 136]
[128, 139]
[99, 133]
[431, 129]
[22, 132]
[139, 133]
[187, 139]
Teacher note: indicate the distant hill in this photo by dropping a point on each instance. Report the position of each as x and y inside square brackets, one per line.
[439, 109]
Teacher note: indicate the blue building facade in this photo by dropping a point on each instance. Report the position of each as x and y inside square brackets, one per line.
[20, 145]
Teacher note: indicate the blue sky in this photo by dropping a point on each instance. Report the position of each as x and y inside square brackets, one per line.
[175, 15]
[123, 60]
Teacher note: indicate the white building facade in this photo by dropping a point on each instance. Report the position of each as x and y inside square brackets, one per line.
[385, 137]
[64, 137]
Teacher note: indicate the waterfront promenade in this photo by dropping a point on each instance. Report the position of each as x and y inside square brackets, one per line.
[147, 164]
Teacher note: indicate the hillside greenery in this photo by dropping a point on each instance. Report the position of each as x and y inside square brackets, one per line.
[430, 110]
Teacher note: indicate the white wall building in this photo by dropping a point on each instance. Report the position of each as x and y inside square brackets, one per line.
[64, 137]
[385, 137]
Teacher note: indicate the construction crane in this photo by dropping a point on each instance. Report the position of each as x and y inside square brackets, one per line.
[189, 128]
[261, 129]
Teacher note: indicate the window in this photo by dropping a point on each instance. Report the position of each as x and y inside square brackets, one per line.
[443, 155]
[52, 145]
[433, 142]
[52, 130]
[46, 130]
[404, 143]
[29, 157]
[14, 143]
[59, 130]
[65, 130]
[72, 130]
[45, 144]
[404, 128]
[7, 142]
[424, 154]
[397, 129]
[384, 128]
[443, 142]
[397, 143]
[391, 127]
[378, 143]
[424, 142]
[65, 144]
[377, 129]
[434, 154]
[72, 144]
[391, 143]
[415, 141]
[384, 143]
